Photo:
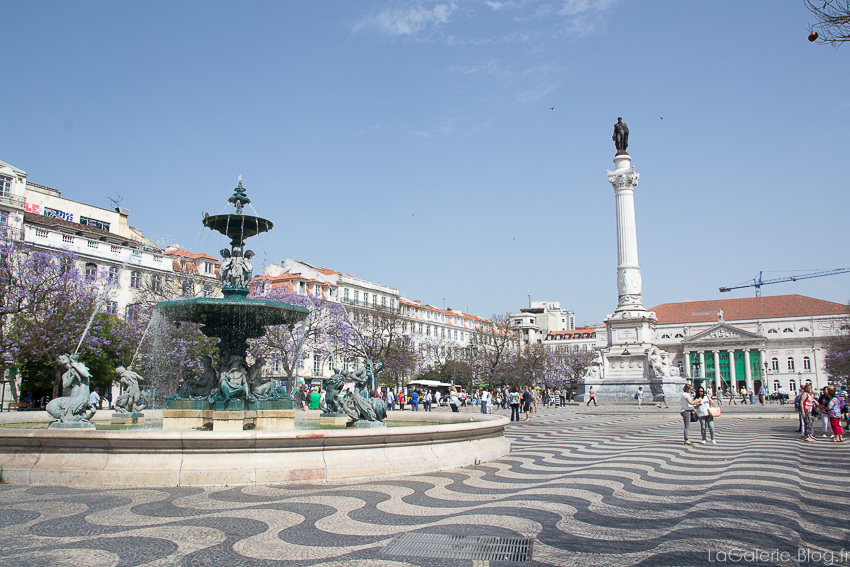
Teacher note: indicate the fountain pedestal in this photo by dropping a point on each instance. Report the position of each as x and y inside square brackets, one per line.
[128, 418]
[334, 419]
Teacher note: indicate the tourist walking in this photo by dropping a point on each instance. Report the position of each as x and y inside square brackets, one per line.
[484, 396]
[762, 394]
[834, 408]
[526, 402]
[639, 396]
[706, 420]
[719, 396]
[532, 392]
[664, 396]
[414, 400]
[807, 403]
[390, 400]
[514, 399]
[591, 396]
[454, 401]
[750, 394]
[402, 398]
[688, 405]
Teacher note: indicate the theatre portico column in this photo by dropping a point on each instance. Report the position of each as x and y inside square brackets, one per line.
[702, 368]
[732, 376]
[716, 370]
[748, 373]
[686, 366]
[763, 369]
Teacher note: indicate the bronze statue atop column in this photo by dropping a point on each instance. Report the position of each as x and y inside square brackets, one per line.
[621, 136]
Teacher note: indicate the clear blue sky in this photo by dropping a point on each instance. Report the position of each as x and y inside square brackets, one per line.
[412, 143]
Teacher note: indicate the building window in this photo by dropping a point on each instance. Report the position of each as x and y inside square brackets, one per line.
[679, 336]
[209, 268]
[792, 385]
[776, 385]
[114, 249]
[5, 186]
[665, 336]
[91, 271]
[392, 303]
[366, 299]
[374, 300]
[135, 279]
[41, 233]
[383, 301]
[132, 312]
[137, 251]
[774, 364]
[317, 366]
[356, 296]
[68, 238]
[188, 289]
[772, 331]
[113, 274]
[807, 363]
[803, 329]
[156, 283]
[92, 244]
[112, 307]
[208, 290]
[787, 330]
[157, 258]
[95, 223]
[790, 363]
[345, 294]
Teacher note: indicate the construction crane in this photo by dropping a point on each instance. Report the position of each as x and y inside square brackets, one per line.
[757, 283]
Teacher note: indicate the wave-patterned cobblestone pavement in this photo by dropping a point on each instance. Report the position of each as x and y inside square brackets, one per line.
[615, 489]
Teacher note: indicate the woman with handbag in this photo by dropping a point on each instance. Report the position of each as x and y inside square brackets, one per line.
[807, 403]
[706, 420]
[687, 411]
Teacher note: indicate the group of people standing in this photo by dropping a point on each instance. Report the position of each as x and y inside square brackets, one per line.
[830, 405]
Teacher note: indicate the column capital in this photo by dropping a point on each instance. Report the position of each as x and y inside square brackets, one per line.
[623, 178]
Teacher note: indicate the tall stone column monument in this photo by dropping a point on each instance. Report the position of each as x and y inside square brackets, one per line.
[630, 359]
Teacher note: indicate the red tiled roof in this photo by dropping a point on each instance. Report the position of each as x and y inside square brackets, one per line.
[769, 307]
[187, 254]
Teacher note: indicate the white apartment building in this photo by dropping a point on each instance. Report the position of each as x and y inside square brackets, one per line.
[535, 323]
[103, 242]
[436, 333]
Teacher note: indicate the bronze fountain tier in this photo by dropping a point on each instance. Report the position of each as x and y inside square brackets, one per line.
[233, 385]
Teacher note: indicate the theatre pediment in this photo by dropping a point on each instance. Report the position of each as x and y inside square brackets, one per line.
[723, 333]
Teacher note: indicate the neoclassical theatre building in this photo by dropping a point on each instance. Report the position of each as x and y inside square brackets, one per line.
[776, 341]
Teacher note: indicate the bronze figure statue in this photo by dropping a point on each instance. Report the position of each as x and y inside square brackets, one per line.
[621, 136]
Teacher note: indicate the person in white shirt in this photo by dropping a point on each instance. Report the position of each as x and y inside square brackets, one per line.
[485, 400]
[94, 399]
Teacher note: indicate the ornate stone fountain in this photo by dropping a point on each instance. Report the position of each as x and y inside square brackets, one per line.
[231, 396]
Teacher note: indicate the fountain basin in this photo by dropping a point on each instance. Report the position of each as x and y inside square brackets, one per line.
[232, 315]
[200, 458]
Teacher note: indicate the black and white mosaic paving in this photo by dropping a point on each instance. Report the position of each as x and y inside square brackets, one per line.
[616, 488]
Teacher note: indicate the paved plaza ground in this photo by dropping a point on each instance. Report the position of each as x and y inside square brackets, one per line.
[612, 485]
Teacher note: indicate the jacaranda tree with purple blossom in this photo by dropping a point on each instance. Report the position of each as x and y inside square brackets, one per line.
[837, 358]
[325, 333]
[46, 303]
